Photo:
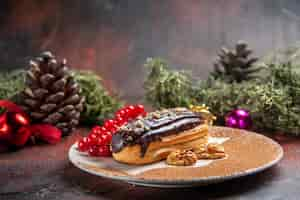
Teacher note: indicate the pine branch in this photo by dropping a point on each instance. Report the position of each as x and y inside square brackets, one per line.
[99, 104]
[166, 88]
[274, 100]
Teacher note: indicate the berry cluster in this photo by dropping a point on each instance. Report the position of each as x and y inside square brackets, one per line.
[97, 143]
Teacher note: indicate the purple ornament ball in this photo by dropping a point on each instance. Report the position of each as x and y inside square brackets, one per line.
[239, 118]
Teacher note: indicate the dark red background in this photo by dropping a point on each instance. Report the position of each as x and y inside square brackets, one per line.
[114, 37]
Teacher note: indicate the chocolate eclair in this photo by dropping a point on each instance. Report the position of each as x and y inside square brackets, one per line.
[151, 138]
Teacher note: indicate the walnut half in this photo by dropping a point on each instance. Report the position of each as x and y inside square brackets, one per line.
[213, 151]
[182, 158]
[215, 148]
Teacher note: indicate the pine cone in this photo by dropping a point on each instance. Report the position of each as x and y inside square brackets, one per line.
[235, 65]
[51, 95]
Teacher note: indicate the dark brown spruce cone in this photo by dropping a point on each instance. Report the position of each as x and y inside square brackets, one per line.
[51, 95]
[235, 65]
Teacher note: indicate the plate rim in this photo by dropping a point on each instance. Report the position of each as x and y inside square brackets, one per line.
[209, 179]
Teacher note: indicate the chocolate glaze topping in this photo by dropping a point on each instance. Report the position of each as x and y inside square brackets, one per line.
[155, 126]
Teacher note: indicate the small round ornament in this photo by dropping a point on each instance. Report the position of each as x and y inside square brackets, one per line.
[16, 128]
[239, 118]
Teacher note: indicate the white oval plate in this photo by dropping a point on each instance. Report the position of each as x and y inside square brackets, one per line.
[164, 176]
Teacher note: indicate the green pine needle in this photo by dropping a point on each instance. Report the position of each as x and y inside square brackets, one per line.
[99, 104]
[11, 83]
[273, 100]
[166, 88]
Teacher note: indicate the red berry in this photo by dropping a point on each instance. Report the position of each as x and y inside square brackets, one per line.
[109, 135]
[99, 131]
[100, 141]
[88, 141]
[140, 109]
[113, 129]
[92, 135]
[121, 113]
[131, 108]
[92, 139]
[94, 151]
[144, 114]
[104, 151]
[96, 129]
[85, 140]
[109, 123]
[127, 114]
[106, 138]
[103, 129]
[82, 145]
[117, 116]
[111, 126]
[133, 111]
[119, 121]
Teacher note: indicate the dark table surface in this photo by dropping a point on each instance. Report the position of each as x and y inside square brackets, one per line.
[44, 172]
